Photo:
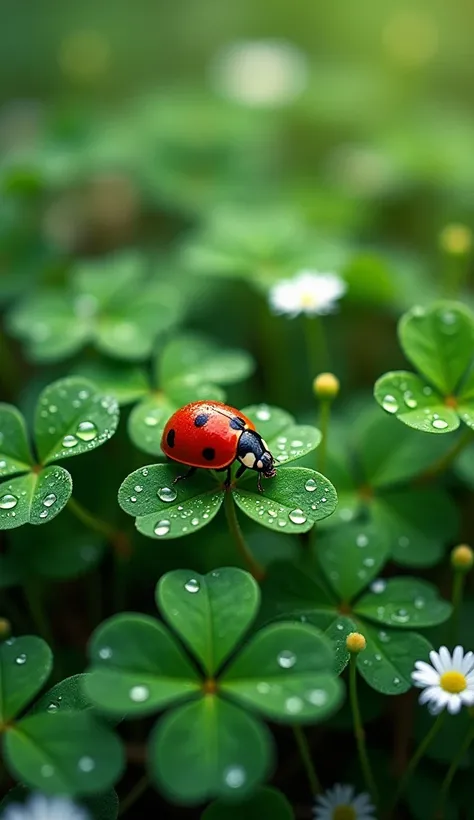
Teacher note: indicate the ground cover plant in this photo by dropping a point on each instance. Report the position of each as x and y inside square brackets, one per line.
[208, 647]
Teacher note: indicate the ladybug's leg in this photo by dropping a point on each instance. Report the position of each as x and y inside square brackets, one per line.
[189, 473]
[259, 483]
[240, 471]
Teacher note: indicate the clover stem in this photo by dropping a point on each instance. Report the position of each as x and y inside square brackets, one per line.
[139, 788]
[255, 568]
[457, 595]
[316, 345]
[324, 418]
[306, 760]
[418, 754]
[33, 594]
[446, 460]
[457, 759]
[359, 733]
[90, 520]
[9, 371]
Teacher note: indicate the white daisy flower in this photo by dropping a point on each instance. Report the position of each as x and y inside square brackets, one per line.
[308, 292]
[339, 803]
[40, 807]
[448, 683]
[260, 72]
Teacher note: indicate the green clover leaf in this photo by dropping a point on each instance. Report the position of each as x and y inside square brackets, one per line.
[71, 418]
[111, 303]
[373, 464]
[285, 673]
[386, 615]
[190, 367]
[438, 340]
[264, 802]
[25, 664]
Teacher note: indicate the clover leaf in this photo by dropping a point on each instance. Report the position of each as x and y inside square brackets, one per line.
[285, 673]
[53, 749]
[71, 418]
[438, 341]
[111, 303]
[189, 368]
[386, 614]
[264, 802]
[373, 464]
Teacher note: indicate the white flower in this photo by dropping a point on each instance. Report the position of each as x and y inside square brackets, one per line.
[339, 803]
[260, 72]
[40, 807]
[308, 292]
[449, 682]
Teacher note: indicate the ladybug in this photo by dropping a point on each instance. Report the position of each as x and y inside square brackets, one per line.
[213, 435]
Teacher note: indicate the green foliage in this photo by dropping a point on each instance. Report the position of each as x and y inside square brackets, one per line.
[71, 418]
[265, 802]
[286, 673]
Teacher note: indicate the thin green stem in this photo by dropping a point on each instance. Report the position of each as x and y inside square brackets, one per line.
[139, 788]
[34, 598]
[456, 270]
[10, 377]
[255, 568]
[306, 760]
[359, 733]
[445, 461]
[418, 754]
[316, 345]
[324, 419]
[457, 759]
[457, 595]
[91, 521]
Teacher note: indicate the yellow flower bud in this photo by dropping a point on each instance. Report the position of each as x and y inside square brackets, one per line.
[456, 239]
[326, 386]
[5, 628]
[462, 558]
[355, 642]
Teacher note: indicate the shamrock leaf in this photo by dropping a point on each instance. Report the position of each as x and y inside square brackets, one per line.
[264, 802]
[380, 614]
[25, 665]
[71, 418]
[285, 673]
[126, 383]
[191, 367]
[111, 303]
[438, 341]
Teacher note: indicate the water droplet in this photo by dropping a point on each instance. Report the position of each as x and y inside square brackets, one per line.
[8, 501]
[20, 660]
[419, 603]
[53, 707]
[43, 514]
[263, 413]
[439, 424]
[378, 586]
[105, 653]
[47, 770]
[133, 498]
[49, 500]
[162, 527]
[400, 616]
[282, 523]
[324, 500]
[403, 541]
[263, 688]
[297, 516]
[362, 540]
[139, 694]
[390, 404]
[378, 657]
[234, 777]
[192, 585]
[310, 485]
[368, 562]
[296, 443]
[52, 408]
[396, 681]
[86, 431]
[294, 705]
[286, 659]
[318, 697]
[195, 521]
[3, 464]
[151, 421]
[167, 494]
[410, 400]
[145, 472]
[340, 627]
[272, 513]
[83, 394]
[137, 488]
[86, 764]
[69, 441]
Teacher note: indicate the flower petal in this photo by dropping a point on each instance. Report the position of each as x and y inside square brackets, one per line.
[454, 704]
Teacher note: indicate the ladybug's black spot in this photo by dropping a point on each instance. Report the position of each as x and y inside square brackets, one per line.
[170, 438]
[237, 423]
[201, 420]
[209, 453]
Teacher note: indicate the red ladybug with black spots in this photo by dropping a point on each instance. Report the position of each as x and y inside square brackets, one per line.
[212, 435]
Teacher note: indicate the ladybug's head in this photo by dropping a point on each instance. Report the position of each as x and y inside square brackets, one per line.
[254, 454]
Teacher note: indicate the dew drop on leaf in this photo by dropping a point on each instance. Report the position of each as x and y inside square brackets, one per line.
[195, 521]
[3, 464]
[53, 707]
[69, 441]
[390, 404]
[137, 488]
[43, 514]
[419, 603]
[400, 616]
[139, 694]
[286, 659]
[439, 424]
[20, 660]
[297, 516]
[86, 764]
[378, 586]
[362, 540]
[105, 653]
[384, 637]
[263, 688]
[162, 527]
[263, 413]
[8, 501]
[167, 494]
[410, 400]
[192, 585]
[234, 777]
[317, 697]
[49, 500]
[294, 705]
[86, 431]
[310, 485]
[151, 421]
